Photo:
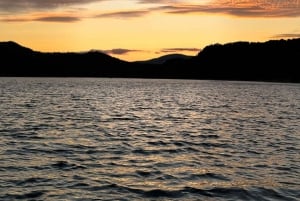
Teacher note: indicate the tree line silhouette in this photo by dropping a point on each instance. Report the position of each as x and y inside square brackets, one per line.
[274, 60]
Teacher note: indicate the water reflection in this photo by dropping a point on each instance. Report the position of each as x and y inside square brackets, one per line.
[136, 139]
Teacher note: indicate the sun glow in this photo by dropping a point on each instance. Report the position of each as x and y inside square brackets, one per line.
[145, 28]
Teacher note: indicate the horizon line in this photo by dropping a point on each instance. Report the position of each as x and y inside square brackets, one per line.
[125, 51]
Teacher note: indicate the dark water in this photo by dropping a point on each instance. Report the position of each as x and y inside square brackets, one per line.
[122, 139]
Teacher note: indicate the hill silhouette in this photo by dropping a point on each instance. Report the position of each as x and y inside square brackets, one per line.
[165, 58]
[274, 60]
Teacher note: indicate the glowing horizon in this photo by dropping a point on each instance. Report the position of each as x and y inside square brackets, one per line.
[144, 29]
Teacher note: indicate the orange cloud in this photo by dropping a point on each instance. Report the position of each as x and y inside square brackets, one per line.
[241, 8]
[287, 35]
[16, 9]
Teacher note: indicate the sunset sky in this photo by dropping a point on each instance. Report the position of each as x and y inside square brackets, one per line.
[143, 29]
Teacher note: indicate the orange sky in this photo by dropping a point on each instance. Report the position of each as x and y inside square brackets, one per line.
[143, 29]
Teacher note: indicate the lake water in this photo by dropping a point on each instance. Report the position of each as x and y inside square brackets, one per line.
[139, 139]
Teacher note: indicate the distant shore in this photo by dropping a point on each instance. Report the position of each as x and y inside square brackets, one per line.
[274, 60]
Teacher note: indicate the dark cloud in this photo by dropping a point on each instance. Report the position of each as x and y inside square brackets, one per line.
[287, 35]
[55, 18]
[125, 14]
[169, 50]
[58, 19]
[119, 51]
[21, 5]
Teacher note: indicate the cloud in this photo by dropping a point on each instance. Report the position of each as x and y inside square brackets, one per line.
[287, 35]
[238, 8]
[159, 1]
[43, 17]
[58, 19]
[119, 51]
[241, 8]
[125, 14]
[170, 50]
[21, 5]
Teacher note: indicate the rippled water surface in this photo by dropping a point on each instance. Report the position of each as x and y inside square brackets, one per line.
[131, 139]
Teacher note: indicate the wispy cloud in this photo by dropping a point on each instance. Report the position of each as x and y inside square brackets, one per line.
[43, 17]
[287, 35]
[166, 2]
[238, 8]
[242, 8]
[170, 50]
[70, 16]
[125, 14]
[58, 19]
[119, 51]
[22, 5]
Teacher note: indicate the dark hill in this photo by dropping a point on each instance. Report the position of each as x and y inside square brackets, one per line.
[275, 60]
[165, 58]
[21, 61]
[11, 47]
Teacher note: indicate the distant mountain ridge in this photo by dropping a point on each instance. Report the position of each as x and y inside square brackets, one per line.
[165, 58]
[274, 60]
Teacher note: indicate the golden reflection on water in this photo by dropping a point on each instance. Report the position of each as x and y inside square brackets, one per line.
[93, 137]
